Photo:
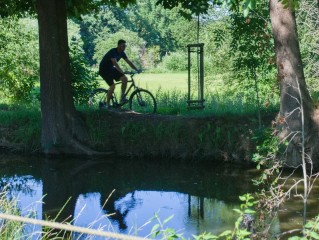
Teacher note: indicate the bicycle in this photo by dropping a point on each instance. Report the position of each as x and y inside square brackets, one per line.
[140, 100]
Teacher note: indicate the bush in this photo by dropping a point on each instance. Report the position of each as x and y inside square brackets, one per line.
[176, 61]
[83, 79]
[19, 58]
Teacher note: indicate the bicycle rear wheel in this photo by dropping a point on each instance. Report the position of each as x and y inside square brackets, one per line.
[97, 98]
[142, 101]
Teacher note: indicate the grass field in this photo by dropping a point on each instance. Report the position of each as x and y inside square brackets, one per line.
[163, 81]
[172, 82]
[170, 90]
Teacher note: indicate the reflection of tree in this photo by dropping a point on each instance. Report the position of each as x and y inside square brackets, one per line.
[18, 174]
[18, 184]
[200, 206]
[65, 178]
[121, 208]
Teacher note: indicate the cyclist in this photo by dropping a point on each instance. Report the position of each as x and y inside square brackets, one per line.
[109, 70]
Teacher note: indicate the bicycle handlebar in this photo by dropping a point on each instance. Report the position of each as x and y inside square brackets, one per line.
[132, 72]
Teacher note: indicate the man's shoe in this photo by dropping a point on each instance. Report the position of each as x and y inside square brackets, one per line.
[124, 100]
[103, 105]
[106, 106]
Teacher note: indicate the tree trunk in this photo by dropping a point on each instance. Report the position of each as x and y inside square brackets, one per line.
[62, 127]
[292, 79]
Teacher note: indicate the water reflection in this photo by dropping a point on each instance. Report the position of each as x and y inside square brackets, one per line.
[201, 198]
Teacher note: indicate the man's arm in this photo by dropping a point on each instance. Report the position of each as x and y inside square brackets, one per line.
[131, 64]
[116, 65]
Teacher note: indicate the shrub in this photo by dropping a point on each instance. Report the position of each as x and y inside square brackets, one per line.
[176, 61]
[19, 58]
[82, 77]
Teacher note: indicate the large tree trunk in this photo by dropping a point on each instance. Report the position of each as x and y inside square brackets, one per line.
[293, 89]
[62, 127]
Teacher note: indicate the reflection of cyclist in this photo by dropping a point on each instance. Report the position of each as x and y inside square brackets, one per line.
[110, 70]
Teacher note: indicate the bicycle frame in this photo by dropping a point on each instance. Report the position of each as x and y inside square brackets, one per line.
[140, 100]
[128, 89]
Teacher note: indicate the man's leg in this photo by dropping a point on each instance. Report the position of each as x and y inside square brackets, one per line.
[124, 84]
[110, 93]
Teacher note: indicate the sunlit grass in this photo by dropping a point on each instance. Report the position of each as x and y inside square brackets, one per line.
[154, 81]
[172, 82]
[171, 93]
[9, 229]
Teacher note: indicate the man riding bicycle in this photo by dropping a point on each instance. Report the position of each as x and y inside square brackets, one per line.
[109, 70]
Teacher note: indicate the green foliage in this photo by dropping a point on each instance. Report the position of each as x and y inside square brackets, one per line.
[160, 229]
[152, 57]
[239, 232]
[156, 25]
[20, 126]
[216, 36]
[176, 61]
[252, 56]
[19, 58]
[19, 62]
[83, 78]
[74, 7]
[163, 31]
[311, 230]
[251, 41]
[308, 33]
[92, 26]
[188, 6]
[269, 155]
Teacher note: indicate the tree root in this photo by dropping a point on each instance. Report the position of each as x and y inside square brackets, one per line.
[74, 147]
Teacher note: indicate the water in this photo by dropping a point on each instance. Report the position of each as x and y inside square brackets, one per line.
[128, 196]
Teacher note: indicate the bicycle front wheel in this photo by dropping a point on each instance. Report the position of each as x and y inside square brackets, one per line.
[142, 101]
[97, 98]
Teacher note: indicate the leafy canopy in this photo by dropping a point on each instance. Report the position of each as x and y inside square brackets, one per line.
[75, 7]
[201, 6]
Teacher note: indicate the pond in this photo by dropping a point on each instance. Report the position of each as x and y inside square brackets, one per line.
[125, 195]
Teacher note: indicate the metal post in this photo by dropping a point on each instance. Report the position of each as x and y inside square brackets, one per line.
[201, 75]
[189, 75]
[199, 50]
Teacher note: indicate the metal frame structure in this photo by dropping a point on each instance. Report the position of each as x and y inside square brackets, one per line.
[199, 50]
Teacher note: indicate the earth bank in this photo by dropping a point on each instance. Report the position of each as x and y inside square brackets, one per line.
[228, 138]
[125, 133]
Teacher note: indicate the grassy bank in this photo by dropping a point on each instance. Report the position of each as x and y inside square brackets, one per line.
[182, 134]
[173, 131]
[225, 138]
[20, 127]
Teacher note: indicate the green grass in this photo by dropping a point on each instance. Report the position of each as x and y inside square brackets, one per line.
[172, 82]
[163, 81]
[155, 81]
[9, 229]
[20, 125]
[171, 89]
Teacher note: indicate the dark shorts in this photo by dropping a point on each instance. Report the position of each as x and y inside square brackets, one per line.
[109, 75]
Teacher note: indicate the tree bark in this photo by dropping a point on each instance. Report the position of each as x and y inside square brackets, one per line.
[291, 78]
[62, 127]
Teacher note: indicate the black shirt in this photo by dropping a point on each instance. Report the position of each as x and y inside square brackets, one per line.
[106, 62]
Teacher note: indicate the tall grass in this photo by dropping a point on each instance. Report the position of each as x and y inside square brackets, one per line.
[9, 229]
[216, 104]
[14, 227]
[171, 89]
